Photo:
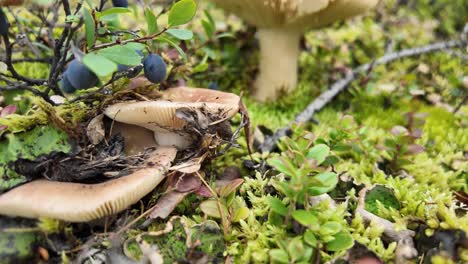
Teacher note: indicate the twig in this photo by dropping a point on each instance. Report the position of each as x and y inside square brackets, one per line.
[339, 86]
[405, 248]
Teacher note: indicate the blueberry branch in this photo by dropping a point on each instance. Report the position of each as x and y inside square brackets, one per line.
[123, 42]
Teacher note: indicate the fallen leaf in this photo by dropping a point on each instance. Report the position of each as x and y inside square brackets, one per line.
[95, 130]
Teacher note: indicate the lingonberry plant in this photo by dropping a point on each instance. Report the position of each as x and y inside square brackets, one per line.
[86, 44]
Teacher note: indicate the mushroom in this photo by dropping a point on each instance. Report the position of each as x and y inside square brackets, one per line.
[75, 202]
[161, 116]
[280, 25]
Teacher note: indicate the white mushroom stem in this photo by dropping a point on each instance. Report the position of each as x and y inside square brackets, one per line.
[279, 51]
[172, 139]
[75, 202]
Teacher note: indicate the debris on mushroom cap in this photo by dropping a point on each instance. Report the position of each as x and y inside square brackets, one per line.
[161, 116]
[76, 202]
[280, 25]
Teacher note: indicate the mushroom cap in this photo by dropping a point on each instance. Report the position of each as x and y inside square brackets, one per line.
[75, 202]
[297, 14]
[160, 115]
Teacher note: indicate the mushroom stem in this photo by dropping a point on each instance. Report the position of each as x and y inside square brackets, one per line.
[279, 50]
[172, 139]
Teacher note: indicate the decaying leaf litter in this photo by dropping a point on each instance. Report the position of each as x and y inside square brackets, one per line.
[444, 219]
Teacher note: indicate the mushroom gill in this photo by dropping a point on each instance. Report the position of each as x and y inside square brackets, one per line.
[75, 202]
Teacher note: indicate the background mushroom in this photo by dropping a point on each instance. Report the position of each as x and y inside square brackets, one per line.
[161, 117]
[75, 202]
[280, 25]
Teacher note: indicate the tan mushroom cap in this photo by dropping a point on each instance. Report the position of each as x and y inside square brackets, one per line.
[303, 14]
[76, 202]
[161, 114]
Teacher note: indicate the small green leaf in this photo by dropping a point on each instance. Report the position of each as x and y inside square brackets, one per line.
[182, 12]
[278, 256]
[210, 208]
[135, 46]
[100, 65]
[202, 67]
[277, 206]
[89, 27]
[319, 153]
[240, 214]
[182, 34]
[330, 228]
[295, 249]
[72, 18]
[208, 27]
[328, 181]
[173, 44]
[310, 238]
[305, 218]
[124, 55]
[151, 21]
[230, 187]
[283, 165]
[342, 241]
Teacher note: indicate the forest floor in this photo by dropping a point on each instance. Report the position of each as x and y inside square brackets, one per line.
[391, 152]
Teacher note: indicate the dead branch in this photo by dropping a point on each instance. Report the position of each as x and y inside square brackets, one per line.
[326, 97]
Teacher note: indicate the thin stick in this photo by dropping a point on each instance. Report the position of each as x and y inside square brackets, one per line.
[326, 97]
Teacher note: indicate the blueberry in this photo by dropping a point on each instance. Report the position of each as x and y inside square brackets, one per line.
[155, 68]
[80, 76]
[120, 3]
[66, 85]
[3, 23]
[136, 69]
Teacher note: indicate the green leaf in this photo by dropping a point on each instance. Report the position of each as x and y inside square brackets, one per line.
[151, 21]
[124, 55]
[277, 206]
[208, 27]
[182, 12]
[202, 67]
[230, 187]
[330, 228]
[100, 65]
[210, 208]
[115, 11]
[182, 34]
[278, 256]
[240, 214]
[328, 181]
[305, 218]
[342, 241]
[173, 44]
[310, 238]
[135, 46]
[295, 249]
[283, 165]
[319, 153]
[89, 27]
